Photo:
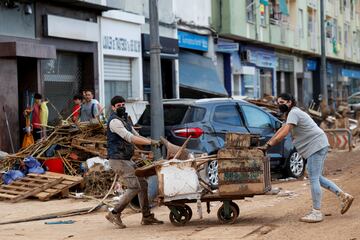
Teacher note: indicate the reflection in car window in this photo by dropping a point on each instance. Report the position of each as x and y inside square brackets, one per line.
[227, 114]
[255, 117]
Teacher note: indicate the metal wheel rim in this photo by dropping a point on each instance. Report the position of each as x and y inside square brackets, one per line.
[296, 164]
[184, 217]
[213, 173]
[233, 214]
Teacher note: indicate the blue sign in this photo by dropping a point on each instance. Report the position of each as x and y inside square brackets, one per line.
[227, 47]
[311, 65]
[193, 41]
[350, 73]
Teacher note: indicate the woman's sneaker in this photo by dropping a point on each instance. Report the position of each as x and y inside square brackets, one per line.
[346, 201]
[313, 217]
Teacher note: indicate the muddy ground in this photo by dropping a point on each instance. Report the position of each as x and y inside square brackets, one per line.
[261, 217]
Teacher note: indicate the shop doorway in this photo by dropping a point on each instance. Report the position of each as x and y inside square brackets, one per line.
[266, 82]
[167, 76]
[28, 84]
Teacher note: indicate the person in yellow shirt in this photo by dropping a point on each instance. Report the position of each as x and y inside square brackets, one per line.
[44, 116]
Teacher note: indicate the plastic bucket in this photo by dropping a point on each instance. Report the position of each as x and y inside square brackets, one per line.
[54, 165]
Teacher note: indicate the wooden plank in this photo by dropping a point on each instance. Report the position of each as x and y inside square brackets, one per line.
[37, 190]
[7, 196]
[41, 180]
[58, 175]
[237, 140]
[11, 191]
[15, 187]
[21, 183]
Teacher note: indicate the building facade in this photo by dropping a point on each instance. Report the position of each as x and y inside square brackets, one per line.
[291, 28]
[50, 48]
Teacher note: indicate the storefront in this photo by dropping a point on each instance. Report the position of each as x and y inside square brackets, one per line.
[285, 74]
[120, 58]
[306, 86]
[258, 68]
[198, 74]
[227, 54]
[168, 56]
[352, 78]
[75, 68]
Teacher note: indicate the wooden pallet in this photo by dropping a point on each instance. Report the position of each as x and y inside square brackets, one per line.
[61, 188]
[26, 187]
[41, 186]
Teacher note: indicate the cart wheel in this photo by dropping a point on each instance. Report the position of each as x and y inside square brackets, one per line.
[236, 207]
[189, 211]
[233, 214]
[182, 216]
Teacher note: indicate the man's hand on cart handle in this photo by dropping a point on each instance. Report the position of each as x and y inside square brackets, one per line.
[155, 143]
[265, 147]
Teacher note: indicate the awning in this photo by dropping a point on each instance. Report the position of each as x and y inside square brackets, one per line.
[27, 49]
[199, 73]
[284, 7]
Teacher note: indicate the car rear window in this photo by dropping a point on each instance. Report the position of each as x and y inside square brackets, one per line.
[175, 114]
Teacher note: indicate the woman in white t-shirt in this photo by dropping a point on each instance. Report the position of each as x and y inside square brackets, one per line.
[312, 143]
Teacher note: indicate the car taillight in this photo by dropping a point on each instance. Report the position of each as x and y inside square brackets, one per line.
[186, 132]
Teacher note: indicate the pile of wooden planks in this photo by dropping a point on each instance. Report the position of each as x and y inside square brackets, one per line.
[41, 186]
[82, 140]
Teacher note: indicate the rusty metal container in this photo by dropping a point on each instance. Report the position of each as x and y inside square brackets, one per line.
[243, 172]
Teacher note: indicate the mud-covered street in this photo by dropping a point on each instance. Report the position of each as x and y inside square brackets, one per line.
[261, 217]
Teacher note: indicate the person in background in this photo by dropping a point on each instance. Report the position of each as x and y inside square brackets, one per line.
[312, 143]
[35, 116]
[89, 108]
[44, 117]
[78, 99]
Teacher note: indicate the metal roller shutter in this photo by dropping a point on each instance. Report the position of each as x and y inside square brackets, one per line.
[117, 78]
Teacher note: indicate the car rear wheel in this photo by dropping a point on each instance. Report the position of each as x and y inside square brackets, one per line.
[212, 173]
[295, 165]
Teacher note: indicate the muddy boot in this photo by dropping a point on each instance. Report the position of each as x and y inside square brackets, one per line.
[115, 219]
[150, 220]
[346, 201]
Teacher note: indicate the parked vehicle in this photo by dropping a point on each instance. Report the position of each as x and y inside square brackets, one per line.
[207, 121]
[354, 101]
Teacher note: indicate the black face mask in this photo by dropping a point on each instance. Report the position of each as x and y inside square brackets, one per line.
[283, 108]
[121, 112]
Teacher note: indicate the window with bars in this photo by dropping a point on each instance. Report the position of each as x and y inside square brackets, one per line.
[250, 11]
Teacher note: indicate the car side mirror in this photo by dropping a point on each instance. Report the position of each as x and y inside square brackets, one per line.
[278, 125]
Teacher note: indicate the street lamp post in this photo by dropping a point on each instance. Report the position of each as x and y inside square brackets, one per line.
[323, 79]
[156, 106]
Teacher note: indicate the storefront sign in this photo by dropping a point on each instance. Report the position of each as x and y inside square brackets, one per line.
[311, 65]
[121, 44]
[227, 47]
[193, 41]
[120, 38]
[63, 27]
[350, 73]
[169, 46]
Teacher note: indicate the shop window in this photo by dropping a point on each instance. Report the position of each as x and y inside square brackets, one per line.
[256, 118]
[62, 80]
[250, 11]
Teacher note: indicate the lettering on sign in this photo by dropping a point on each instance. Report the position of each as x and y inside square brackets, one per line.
[121, 44]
